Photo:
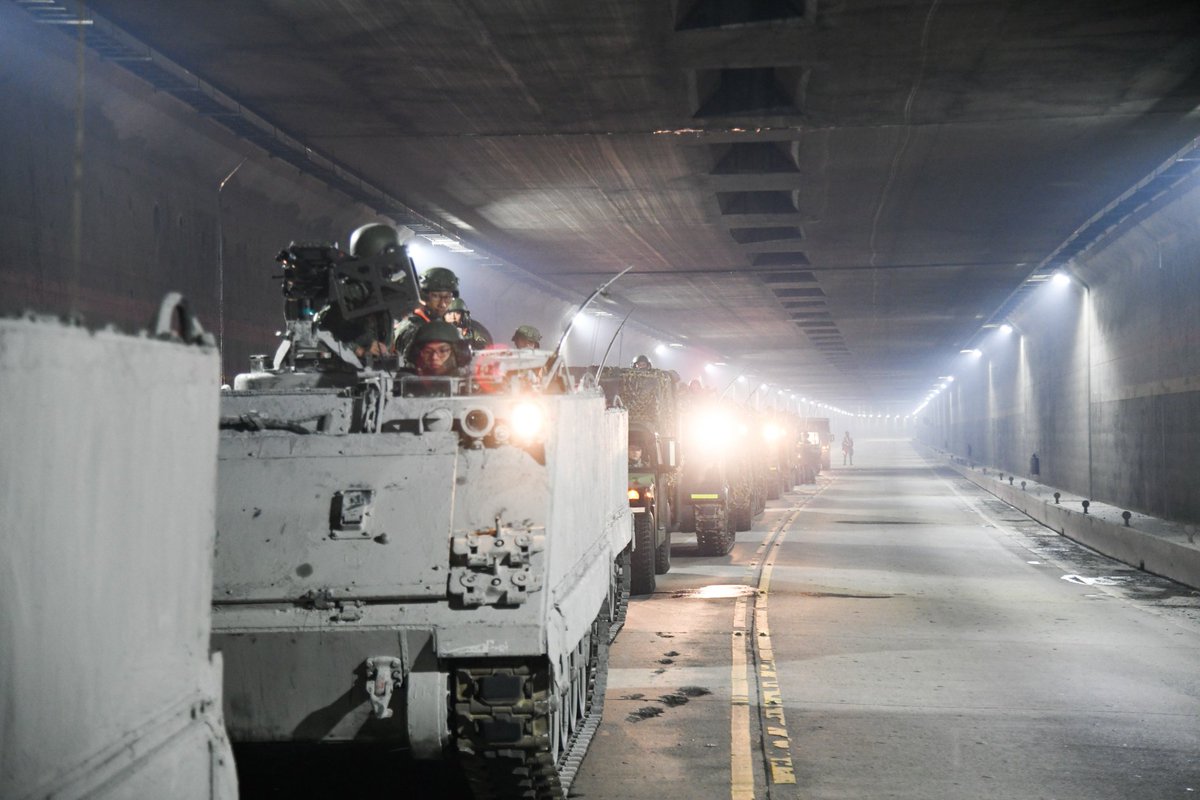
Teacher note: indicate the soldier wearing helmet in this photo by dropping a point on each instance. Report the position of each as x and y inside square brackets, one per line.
[527, 337]
[439, 287]
[437, 349]
[642, 362]
[371, 332]
[458, 315]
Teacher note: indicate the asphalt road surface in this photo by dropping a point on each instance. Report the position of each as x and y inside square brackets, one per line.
[923, 640]
[892, 632]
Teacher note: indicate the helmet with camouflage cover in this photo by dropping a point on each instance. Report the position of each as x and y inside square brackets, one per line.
[439, 279]
[642, 362]
[529, 333]
[372, 239]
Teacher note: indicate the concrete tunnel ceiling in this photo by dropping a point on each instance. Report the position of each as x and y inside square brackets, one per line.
[833, 194]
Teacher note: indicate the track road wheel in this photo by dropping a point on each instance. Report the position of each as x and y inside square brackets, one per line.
[662, 555]
[642, 581]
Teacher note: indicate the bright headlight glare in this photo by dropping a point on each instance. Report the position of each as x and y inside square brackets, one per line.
[711, 431]
[772, 432]
[527, 420]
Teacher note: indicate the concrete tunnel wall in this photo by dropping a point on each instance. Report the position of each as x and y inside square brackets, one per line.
[1100, 378]
[110, 199]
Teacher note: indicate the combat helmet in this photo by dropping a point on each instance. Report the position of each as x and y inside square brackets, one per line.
[372, 239]
[642, 359]
[439, 279]
[439, 331]
[528, 332]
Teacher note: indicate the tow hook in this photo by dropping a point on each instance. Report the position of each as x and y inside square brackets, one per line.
[384, 673]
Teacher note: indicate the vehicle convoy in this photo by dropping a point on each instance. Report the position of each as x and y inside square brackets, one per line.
[432, 563]
[650, 398]
[107, 688]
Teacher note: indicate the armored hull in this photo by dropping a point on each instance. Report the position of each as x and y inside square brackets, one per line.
[400, 562]
[107, 689]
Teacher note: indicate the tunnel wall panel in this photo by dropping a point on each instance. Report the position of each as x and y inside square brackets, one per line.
[1101, 378]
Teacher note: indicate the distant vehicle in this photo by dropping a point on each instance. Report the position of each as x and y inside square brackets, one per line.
[435, 564]
[779, 439]
[820, 426]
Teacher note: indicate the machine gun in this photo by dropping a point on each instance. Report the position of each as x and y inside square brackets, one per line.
[338, 305]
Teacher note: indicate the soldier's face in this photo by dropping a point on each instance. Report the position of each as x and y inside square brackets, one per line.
[521, 343]
[435, 358]
[439, 301]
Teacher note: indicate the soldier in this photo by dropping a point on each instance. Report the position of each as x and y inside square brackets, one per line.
[460, 317]
[642, 362]
[368, 334]
[439, 287]
[527, 337]
[437, 350]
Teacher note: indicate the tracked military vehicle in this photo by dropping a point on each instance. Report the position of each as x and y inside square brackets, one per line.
[107, 453]
[431, 563]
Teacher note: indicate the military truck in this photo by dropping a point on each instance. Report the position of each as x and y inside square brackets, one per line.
[808, 454]
[649, 396]
[779, 453]
[435, 564]
[717, 483]
[820, 426]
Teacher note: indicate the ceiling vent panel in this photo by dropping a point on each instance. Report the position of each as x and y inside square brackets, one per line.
[797, 276]
[813, 292]
[794, 257]
[756, 202]
[755, 158]
[706, 14]
[775, 233]
[748, 92]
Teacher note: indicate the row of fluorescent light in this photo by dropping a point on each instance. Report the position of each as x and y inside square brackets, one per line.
[1059, 280]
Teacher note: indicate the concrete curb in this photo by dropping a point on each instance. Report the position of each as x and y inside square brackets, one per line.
[1168, 553]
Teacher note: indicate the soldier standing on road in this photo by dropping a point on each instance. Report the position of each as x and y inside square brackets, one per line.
[847, 450]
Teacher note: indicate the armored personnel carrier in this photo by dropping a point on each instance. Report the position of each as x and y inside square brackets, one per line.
[107, 455]
[436, 564]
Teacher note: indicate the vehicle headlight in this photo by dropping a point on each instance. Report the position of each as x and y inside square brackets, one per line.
[713, 431]
[527, 420]
[772, 432]
[634, 494]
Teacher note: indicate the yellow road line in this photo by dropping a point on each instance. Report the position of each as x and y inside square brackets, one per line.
[777, 743]
[741, 766]
[776, 740]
